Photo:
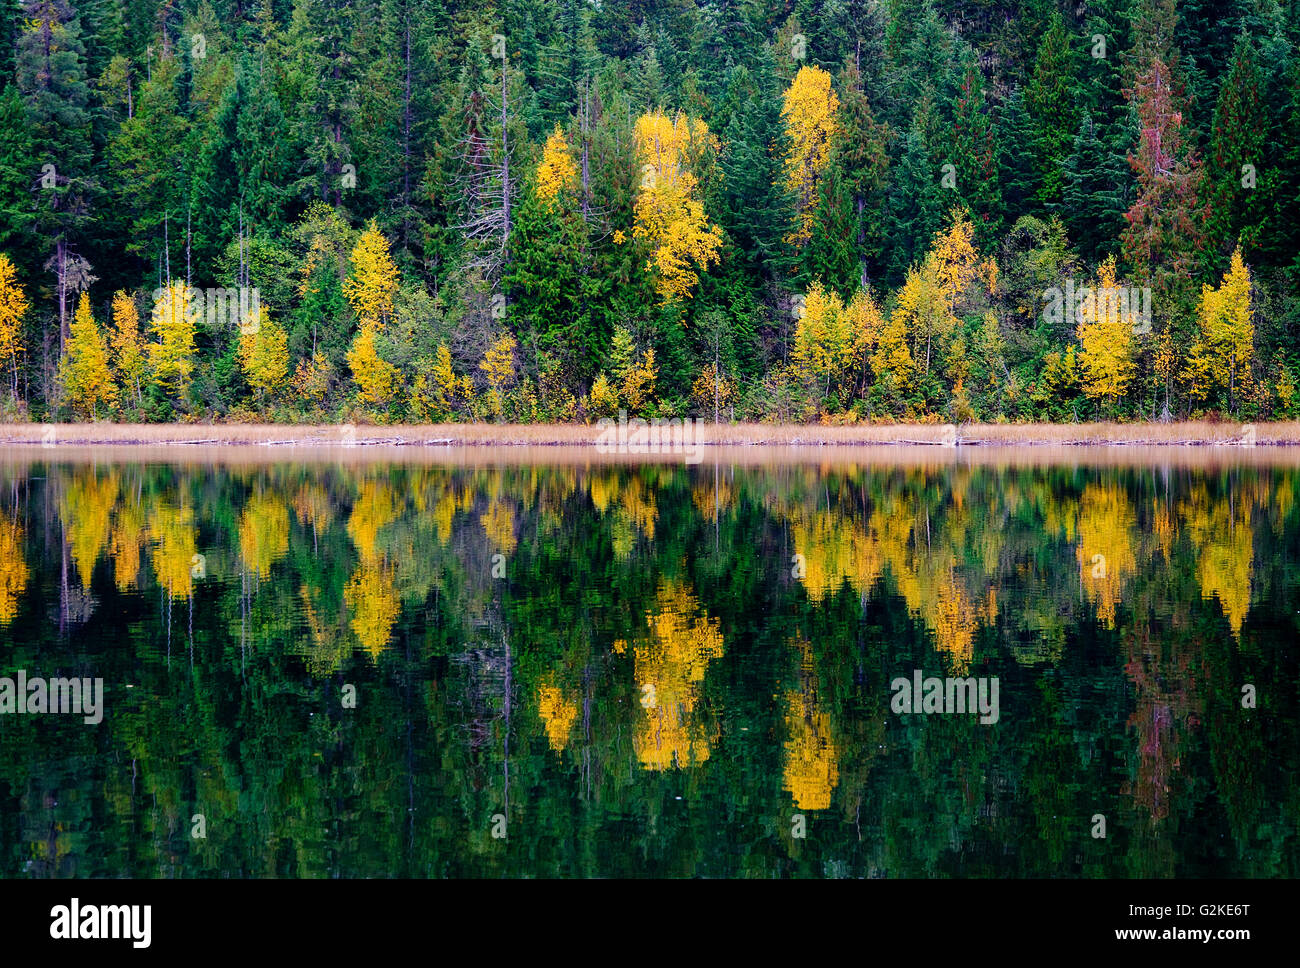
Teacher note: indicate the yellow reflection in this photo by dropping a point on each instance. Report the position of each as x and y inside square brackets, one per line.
[811, 755]
[669, 664]
[85, 506]
[13, 569]
[1106, 527]
[558, 713]
[263, 532]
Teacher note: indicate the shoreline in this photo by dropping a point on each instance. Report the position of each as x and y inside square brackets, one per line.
[456, 436]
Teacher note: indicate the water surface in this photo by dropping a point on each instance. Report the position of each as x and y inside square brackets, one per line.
[567, 666]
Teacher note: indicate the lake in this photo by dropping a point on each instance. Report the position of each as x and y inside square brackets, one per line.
[533, 662]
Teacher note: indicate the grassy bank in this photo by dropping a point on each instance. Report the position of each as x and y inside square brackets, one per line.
[582, 435]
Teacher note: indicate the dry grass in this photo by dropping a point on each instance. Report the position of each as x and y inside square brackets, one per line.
[550, 435]
[1190, 445]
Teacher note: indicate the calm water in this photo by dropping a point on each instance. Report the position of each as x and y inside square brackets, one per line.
[659, 670]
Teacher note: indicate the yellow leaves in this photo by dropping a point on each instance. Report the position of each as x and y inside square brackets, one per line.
[809, 111]
[811, 770]
[14, 571]
[712, 390]
[83, 371]
[498, 365]
[669, 665]
[13, 306]
[264, 353]
[172, 356]
[823, 343]
[558, 713]
[1106, 527]
[667, 212]
[263, 532]
[127, 344]
[373, 606]
[370, 287]
[956, 261]
[1105, 335]
[633, 383]
[1221, 532]
[639, 381]
[498, 523]
[85, 507]
[376, 378]
[371, 596]
[557, 171]
[311, 380]
[603, 399]
[1225, 343]
[174, 537]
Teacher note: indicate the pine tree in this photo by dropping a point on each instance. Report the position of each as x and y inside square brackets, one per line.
[1050, 103]
[1234, 198]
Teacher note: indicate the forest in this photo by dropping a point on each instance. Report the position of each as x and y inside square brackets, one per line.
[764, 210]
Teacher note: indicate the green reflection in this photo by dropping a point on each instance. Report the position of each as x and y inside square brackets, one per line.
[650, 670]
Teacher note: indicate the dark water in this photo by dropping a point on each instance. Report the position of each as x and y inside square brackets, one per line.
[650, 670]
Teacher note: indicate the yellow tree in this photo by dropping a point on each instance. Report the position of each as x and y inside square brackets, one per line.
[667, 212]
[264, 355]
[498, 365]
[127, 347]
[13, 306]
[373, 281]
[376, 378]
[924, 310]
[557, 171]
[809, 112]
[83, 371]
[823, 340]
[172, 356]
[369, 290]
[1225, 343]
[1106, 340]
[880, 342]
[956, 261]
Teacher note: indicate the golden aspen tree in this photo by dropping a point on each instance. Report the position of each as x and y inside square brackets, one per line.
[712, 390]
[809, 111]
[83, 371]
[369, 291]
[498, 365]
[923, 310]
[171, 357]
[667, 212]
[824, 341]
[557, 170]
[376, 378]
[370, 286]
[639, 381]
[264, 355]
[13, 306]
[603, 399]
[956, 261]
[1225, 342]
[1105, 333]
[128, 349]
[879, 343]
